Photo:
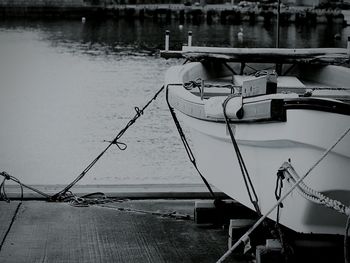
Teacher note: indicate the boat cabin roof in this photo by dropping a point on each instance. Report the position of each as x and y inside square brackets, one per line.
[263, 55]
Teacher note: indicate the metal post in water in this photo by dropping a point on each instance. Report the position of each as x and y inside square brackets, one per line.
[278, 23]
[167, 34]
[189, 38]
[278, 66]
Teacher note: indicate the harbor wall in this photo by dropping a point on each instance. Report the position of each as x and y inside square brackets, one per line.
[48, 8]
[210, 13]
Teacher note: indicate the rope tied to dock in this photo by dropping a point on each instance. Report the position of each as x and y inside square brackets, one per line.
[244, 171]
[65, 195]
[87, 200]
[8, 177]
[172, 214]
[4, 197]
[186, 144]
[262, 218]
[121, 146]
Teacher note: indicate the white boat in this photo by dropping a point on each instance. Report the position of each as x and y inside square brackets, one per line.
[294, 121]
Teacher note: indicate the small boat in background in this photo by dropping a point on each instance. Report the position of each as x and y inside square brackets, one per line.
[278, 106]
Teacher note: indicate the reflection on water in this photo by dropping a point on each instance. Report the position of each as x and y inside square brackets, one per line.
[122, 36]
[67, 86]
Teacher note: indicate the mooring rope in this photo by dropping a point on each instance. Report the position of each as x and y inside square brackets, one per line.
[3, 196]
[261, 219]
[185, 142]
[8, 177]
[172, 214]
[197, 83]
[65, 194]
[244, 171]
[346, 241]
[311, 194]
[122, 146]
[319, 198]
[88, 199]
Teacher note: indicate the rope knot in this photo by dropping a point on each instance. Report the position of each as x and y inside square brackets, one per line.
[6, 175]
[121, 145]
[138, 111]
[193, 84]
[279, 184]
[280, 173]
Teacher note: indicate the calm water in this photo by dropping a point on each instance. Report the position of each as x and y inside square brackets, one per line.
[67, 86]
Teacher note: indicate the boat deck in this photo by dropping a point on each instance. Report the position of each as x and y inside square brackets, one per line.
[286, 84]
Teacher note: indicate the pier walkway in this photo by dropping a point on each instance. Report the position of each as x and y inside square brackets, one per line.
[59, 232]
[140, 223]
[140, 229]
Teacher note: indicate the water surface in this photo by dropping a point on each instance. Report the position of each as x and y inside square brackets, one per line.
[66, 86]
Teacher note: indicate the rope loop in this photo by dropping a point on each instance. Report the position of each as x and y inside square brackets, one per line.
[121, 145]
[138, 111]
[3, 194]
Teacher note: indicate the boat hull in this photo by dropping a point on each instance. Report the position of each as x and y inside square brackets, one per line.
[301, 139]
[274, 129]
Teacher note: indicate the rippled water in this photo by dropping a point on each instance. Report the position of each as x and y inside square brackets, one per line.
[67, 86]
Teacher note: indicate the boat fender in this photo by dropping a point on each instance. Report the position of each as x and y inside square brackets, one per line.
[234, 108]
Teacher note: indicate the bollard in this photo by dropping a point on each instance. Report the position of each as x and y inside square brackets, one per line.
[189, 38]
[348, 46]
[167, 33]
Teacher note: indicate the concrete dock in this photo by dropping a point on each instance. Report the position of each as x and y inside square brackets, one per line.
[125, 230]
[39, 231]
[140, 223]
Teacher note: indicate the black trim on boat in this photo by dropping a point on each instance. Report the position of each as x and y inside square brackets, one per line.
[318, 104]
[277, 110]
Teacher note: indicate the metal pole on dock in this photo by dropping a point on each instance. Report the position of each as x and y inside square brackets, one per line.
[167, 35]
[189, 38]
